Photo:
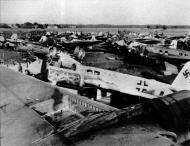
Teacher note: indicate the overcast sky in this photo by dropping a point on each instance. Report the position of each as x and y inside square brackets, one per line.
[172, 12]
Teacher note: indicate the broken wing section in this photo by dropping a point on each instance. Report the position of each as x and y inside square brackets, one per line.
[19, 124]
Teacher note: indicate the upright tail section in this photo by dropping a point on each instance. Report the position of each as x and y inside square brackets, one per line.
[182, 81]
[93, 38]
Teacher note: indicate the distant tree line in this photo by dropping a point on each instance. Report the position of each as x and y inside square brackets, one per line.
[4, 26]
[161, 26]
[35, 25]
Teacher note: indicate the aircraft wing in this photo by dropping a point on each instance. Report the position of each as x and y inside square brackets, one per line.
[81, 43]
[148, 41]
[169, 56]
[33, 48]
[21, 126]
[173, 59]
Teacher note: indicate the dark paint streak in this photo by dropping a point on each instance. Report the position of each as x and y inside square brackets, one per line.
[57, 97]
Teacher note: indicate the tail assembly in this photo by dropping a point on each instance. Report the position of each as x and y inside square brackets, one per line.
[182, 81]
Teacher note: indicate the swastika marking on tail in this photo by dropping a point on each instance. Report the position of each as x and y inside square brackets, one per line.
[186, 73]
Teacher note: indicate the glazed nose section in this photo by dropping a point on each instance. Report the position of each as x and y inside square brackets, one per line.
[173, 111]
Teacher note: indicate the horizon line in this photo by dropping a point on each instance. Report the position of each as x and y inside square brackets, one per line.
[102, 24]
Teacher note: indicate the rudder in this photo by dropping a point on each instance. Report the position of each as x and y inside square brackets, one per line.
[182, 81]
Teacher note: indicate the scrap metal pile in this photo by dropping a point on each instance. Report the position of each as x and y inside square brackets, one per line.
[152, 45]
[143, 75]
[126, 52]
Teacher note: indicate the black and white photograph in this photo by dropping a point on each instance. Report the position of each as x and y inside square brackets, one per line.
[94, 73]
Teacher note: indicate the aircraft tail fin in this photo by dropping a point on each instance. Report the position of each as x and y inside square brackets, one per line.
[182, 81]
[93, 38]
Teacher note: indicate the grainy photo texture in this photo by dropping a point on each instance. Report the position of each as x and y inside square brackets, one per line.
[94, 72]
